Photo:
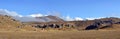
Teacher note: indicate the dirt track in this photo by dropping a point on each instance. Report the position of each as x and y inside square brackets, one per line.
[61, 35]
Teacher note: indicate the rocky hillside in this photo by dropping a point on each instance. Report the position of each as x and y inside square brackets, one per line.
[103, 23]
[7, 23]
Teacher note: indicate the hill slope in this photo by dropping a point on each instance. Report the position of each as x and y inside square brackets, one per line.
[7, 23]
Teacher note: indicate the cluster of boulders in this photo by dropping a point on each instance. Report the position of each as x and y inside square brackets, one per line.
[84, 25]
[43, 26]
[101, 25]
[117, 23]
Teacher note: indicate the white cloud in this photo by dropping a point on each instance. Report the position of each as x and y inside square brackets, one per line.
[90, 18]
[36, 15]
[68, 18]
[10, 13]
[94, 18]
[78, 18]
[20, 16]
[13, 13]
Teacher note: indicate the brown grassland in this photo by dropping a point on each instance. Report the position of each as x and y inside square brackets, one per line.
[91, 34]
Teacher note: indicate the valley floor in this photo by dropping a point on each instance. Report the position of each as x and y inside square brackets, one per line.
[92, 34]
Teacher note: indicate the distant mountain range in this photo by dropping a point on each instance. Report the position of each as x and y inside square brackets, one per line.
[48, 18]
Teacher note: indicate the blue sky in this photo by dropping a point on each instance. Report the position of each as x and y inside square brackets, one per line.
[72, 8]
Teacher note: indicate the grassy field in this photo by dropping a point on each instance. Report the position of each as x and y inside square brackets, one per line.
[92, 34]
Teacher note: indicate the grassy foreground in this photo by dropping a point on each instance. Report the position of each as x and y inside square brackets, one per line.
[92, 34]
